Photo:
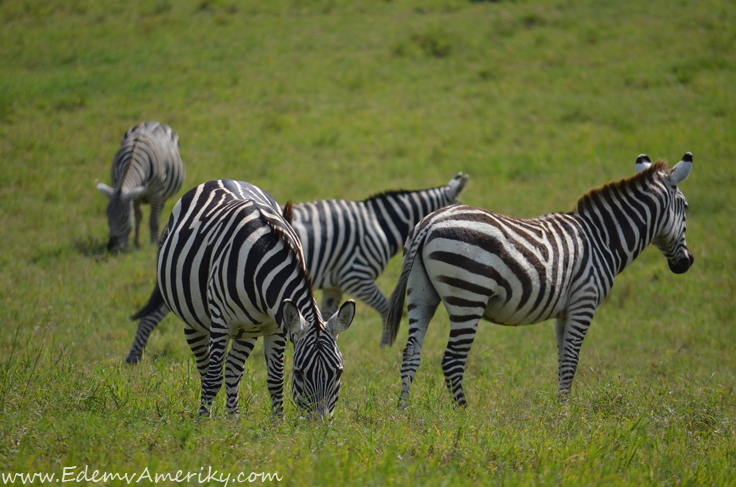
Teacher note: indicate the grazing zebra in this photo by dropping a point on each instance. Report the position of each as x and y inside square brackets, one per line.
[347, 244]
[231, 267]
[147, 169]
[514, 271]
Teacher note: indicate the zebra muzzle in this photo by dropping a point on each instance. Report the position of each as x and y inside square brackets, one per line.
[683, 264]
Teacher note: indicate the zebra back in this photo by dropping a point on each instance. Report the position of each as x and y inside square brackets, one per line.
[198, 220]
[149, 157]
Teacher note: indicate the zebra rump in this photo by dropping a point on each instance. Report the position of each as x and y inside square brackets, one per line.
[512, 271]
[147, 169]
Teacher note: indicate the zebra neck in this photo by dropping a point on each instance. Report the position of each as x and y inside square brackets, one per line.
[624, 222]
[397, 212]
[131, 176]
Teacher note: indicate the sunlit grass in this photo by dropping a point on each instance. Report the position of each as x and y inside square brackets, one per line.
[538, 102]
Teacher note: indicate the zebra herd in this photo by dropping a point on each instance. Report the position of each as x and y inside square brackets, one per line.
[234, 265]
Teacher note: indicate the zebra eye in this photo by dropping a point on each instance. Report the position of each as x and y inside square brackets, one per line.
[298, 375]
[339, 373]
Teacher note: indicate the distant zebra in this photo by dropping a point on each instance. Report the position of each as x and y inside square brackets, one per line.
[347, 245]
[231, 267]
[514, 271]
[155, 174]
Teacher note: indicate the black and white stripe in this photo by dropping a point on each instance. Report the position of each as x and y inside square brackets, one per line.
[347, 245]
[513, 271]
[231, 267]
[147, 169]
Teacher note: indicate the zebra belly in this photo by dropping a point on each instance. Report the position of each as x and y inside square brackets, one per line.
[500, 314]
[250, 330]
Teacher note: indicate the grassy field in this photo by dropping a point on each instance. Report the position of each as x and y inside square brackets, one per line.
[537, 101]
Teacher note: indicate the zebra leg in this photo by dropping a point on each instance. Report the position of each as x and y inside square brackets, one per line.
[570, 333]
[156, 206]
[422, 302]
[560, 335]
[219, 339]
[367, 291]
[199, 344]
[236, 358]
[274, 346]
[138, 214]
[462, 334]
[330, 301]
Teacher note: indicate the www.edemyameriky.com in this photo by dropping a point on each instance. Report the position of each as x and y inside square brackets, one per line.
[83, 474]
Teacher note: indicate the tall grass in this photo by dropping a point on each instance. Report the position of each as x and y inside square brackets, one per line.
[537, 101]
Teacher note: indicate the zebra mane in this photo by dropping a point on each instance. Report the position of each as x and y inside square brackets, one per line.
[587, 202]
[132, 158]
[288, 212]
[287, 234]
[398, 192]
[388, 194]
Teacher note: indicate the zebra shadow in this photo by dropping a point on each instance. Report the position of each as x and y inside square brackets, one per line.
[92, 247]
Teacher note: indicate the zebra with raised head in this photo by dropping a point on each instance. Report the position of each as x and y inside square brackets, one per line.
[347, 245]
[147, 169]
[513, 271]
[231, 267]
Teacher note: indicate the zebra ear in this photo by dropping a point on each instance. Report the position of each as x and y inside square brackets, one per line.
[340, 321]
[134, 193]
[682, 169]
[642, 162]
[291, 319]
[105, 189]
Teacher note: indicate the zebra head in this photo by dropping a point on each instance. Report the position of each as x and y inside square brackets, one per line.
[456, 186]
[120, 215]
[670, 239]
[315, 383]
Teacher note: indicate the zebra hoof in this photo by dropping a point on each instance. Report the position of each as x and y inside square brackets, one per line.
[562, 396]
[133, 359]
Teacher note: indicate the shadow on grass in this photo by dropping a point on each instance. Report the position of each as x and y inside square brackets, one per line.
[90, 246]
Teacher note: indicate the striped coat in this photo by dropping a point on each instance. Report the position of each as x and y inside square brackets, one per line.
[147, 169]
[511, 271]
[231, 267]
[347, 245]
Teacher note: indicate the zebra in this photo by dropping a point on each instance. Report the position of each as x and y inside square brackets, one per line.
[347, 245]
[147, 169]
[513, 271]
[231, 267]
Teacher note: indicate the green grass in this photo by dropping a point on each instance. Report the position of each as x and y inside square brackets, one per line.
[537, 101]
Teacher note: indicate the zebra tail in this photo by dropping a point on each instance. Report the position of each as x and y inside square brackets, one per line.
[154, 302]
[413, 245]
